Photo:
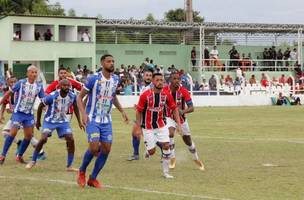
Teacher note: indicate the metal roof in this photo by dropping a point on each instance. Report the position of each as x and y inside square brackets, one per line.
[209, 26]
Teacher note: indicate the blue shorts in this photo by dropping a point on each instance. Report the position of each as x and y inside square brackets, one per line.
[61, 128]
[20, 119]
[99, 132]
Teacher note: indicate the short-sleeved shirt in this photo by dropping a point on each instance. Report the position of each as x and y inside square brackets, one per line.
[152, 106]
[181, 98]
[25, 95]
[58, 106]
[100, 98]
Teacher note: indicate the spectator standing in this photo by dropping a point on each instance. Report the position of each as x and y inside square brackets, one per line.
[212, 83]
[48, 35]
[37, 35]
[86, 37]
[193, 57]
[233, 53]
[252, 80]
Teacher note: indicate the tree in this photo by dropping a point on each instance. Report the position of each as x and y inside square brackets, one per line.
[39, 7]
[179, 15]
[71, 13]
[150, 18]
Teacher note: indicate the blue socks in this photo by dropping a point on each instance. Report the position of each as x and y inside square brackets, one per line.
[24, 144]
[99, 163]
[35, 155]
[135, 142]
[8, 142]
[70, 159]
[88, 156]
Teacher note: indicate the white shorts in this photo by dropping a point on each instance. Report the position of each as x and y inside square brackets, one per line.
[155, 135]
[184, 126]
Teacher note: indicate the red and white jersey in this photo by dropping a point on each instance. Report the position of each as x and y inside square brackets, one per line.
[152, 106]
[181, 98]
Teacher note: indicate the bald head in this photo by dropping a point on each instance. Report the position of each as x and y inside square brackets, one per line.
[32, 73]
[65, 86]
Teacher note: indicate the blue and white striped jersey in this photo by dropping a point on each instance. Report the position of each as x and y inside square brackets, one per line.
[25, 95]
[58, 106]
[100, 98]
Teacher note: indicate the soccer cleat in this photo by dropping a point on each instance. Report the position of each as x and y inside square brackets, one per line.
[42, 156]
[71, 169]
[94, 183]
[172, 163]
[81, 179]
[168, 176]
[133, 157]
[20, 160]
[30, 165]
[200, 164]
[2, 159]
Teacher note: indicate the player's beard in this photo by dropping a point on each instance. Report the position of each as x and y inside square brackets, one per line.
[147, 82]
[110, 69]
[159, 88]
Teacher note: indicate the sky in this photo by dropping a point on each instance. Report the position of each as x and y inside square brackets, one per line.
[245, 11]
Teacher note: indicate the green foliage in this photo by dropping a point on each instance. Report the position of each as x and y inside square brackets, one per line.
[71, 13]
[39, 7]
[150, 18]
[179, 15]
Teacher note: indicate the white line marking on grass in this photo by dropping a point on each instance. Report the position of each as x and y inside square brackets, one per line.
[240, 139]
[117, 187]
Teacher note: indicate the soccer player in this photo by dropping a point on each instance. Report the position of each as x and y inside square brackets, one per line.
[150, 116]
[63, 74]
[147, 78]
[182, 98]
[11, 81]
[101, 91]
[26, 91]
[58, 103]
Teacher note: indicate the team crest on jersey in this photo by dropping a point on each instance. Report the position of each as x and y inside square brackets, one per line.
[101, 82]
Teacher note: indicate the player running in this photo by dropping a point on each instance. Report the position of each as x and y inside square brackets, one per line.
[26, 91]
[147, 78]
[181, 98]
[58, 103]
[101, 91]
[150, 117]
[11, 81]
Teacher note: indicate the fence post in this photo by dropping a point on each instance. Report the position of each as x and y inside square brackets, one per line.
[191, 83]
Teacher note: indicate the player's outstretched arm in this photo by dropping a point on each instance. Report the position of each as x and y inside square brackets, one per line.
[2, 113]
[121, 110]
[189, 109]
[81, 106]
[39, 113]
[76, 110]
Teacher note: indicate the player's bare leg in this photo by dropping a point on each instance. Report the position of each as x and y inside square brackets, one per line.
[191, 146]
[71, 150]
[172, 148]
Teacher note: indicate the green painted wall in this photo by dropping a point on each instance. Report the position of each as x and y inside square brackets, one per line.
[73, 62]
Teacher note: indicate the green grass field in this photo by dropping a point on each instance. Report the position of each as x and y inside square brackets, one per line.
[235, 144]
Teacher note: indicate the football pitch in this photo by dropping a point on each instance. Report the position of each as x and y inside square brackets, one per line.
[249, 153]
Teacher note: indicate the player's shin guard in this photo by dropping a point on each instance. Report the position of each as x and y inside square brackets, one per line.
[8, 142]
[193, 151]
[135, 143]
[172, 147]
[88, 156]
[99, 164]
[24, 144]
[166, 160]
